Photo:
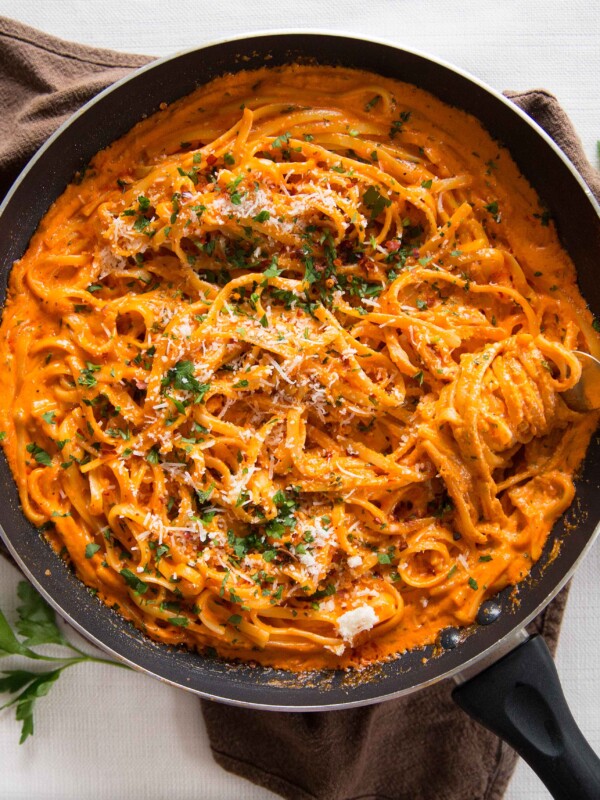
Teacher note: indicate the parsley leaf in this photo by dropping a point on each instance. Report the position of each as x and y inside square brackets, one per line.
[39, 686]
[375, 201]
[372, 102]
[493, 210]
[86, 376]
[204, 494]
[37, 621]
[181, 622]
[132, 580]
[41, 456]
[281, 140]
[91, 548]
[181, 376]
[152, 455]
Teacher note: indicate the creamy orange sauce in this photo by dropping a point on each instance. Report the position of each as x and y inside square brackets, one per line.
[282, 371]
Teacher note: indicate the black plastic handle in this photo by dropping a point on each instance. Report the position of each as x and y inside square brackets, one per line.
[521, 700]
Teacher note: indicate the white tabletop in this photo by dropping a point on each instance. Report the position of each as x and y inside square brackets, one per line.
[108, 734]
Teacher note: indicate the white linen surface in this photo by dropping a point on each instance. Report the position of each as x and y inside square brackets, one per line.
[108, 734]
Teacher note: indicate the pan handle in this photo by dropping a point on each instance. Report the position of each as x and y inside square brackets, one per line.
[521, 700]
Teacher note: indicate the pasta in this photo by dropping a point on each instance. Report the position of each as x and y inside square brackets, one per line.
[282, 370]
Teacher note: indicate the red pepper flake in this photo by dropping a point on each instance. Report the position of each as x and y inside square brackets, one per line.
[211, 159]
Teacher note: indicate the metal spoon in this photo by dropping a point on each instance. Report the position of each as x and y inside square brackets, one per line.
[585, 395]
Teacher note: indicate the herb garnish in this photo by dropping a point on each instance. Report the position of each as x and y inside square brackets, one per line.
[36, 625]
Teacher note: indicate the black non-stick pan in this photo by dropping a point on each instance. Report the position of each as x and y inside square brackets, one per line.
[508, 683]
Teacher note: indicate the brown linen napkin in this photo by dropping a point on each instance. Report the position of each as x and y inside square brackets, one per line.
[418, 748]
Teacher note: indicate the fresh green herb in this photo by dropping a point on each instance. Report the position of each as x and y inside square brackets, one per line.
[285, 518]
[49, 417]
[493, 210]
[229, 159]
[427, 184]
[181, 622]
[375, 201]
[41, 456]
[181, 376]
[421, 304]
[240, 384]
[192, 174]
[372, 102]
[262, 216]
[94, 287]
[485, 558]
[152, 455]
[203, 495]
[281, 140]
[544, 218]
[473, 584]
[235, 619]
[91, 548]
[175, 206]
[86, 376]
[419, 377]
[398, 124]
[143, 202]
[37, 625]
[132, 580]
[384, 558]
[272, 271]
[141, 224]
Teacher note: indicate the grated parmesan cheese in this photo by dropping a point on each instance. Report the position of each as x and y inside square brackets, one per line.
[356, 621]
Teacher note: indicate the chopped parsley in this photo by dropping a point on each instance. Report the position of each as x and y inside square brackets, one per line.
[375, 201]
[372, 102]
[86, 376]
[181, 376]
[40, 455]
[91, 548]
[279, 141]
[132, 580]
[493, 210]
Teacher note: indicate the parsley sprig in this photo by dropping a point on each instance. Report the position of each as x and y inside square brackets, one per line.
[36, 625]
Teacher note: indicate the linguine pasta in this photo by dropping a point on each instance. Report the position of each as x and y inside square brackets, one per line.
[282, 370]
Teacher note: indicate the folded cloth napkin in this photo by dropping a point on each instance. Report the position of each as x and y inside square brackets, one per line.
[421, 747]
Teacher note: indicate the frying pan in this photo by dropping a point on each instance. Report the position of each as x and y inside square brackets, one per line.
[507, 681]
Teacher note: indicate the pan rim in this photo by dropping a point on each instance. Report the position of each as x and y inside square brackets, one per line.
[499, 643]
